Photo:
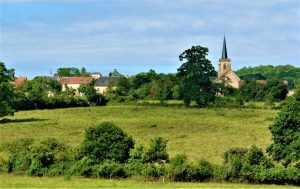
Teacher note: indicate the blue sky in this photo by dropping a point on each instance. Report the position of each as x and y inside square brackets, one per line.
[137, 35]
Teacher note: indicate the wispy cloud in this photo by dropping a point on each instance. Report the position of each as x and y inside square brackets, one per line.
[150, 33]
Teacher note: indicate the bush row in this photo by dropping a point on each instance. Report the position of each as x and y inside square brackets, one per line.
[108, 152]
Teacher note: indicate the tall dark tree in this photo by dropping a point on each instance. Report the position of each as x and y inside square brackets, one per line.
[286, 134]
[195, 76]
[6, 91]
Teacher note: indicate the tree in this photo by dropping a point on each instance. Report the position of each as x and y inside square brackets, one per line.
[286, 134]
[195, 75]
[297, 94]
[123, 86]
[106, 142]
[115, 73]
[38, 90]
[91, 94]
[6, 91]
[276, 90]
[68, 72]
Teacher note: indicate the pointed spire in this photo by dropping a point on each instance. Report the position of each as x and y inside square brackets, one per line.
[224, 51]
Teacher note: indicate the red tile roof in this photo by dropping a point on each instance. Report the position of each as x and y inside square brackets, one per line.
[20, 80]
[75, 80]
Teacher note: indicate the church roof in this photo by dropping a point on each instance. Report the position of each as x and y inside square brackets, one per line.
[224, 51]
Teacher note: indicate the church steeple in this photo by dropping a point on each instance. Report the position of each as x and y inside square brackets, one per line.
[224, 51]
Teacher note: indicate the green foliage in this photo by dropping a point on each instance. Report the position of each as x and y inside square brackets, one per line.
[178, 168]
[297, 94]
[251, 91]
[233, 162]
[3, 165]
[202, 171]
[274, 90]
[284, 72]
[20, 159]
[109, 169]
[153, 171]
[36, 93]
[286, 134]
[91, 94]
[255, 156]
[6, 91]
[115, 73]
[157, 151]
[82, 167]
[68, 72]
[106, 142]
[194, 75]
[48, 158]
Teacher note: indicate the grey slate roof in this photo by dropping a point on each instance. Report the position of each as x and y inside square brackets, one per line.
[104, 81]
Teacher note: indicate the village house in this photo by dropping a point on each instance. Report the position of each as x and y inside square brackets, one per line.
[19, 81]
[96, 75]
[73, 82]
[102, 83]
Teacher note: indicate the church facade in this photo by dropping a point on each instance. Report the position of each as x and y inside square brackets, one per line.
[225, 73]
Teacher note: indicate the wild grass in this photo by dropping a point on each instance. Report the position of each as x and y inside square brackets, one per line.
[14, 181]
[199, 133]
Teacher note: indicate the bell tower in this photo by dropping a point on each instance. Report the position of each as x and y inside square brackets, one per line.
[224, 62]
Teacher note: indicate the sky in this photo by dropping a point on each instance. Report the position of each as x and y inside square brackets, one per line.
[134, 36]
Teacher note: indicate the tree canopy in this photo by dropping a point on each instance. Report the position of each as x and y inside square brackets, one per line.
[194, 75]
[6, 91]
[283, 72]
[286, 134]
[106, 142]
[68, 72]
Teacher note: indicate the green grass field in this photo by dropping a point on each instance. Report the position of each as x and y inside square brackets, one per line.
[13, 181]
[199, 133]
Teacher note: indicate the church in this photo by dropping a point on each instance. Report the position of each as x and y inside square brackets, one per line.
[225, 73]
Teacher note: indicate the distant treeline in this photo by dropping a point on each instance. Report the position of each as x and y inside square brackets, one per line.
[284, 72]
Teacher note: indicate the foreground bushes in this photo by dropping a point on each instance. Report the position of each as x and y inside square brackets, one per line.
[108, 152]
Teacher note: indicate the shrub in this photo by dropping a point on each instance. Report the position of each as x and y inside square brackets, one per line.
[20, 159]
[134, 167]
[157, 151]
[178, 168]
[109, 169]
[47, 154]
[106, 142]
[83, 167]
[3, 165]
[153, 170]
[203, 170]
[279, 175]
[255, 156]
[233, 162]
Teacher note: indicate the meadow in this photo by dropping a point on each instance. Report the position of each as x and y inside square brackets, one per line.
[14, 181]
[199, 133]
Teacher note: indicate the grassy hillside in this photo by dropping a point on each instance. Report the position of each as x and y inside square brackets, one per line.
[200, 133]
